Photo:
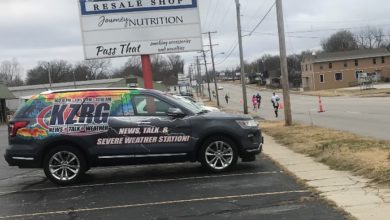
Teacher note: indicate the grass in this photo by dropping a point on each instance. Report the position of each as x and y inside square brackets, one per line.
[340, 150]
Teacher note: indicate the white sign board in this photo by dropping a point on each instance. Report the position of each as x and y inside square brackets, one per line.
[115, 28]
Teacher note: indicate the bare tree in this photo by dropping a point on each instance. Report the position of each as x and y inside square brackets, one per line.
[370, 37]
[60, 71]
[341, 41]
[10, 72]
[132, 67]
[99, 68]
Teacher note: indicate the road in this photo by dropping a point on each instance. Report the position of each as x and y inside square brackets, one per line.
[257, 190]
[359, 115]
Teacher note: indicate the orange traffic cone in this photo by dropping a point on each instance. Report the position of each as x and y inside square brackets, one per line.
[320, 103]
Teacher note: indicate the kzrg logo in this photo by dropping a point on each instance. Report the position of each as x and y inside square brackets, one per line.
[75, 118]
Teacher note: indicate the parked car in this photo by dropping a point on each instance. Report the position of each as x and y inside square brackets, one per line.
[206, 107]
[67, 132]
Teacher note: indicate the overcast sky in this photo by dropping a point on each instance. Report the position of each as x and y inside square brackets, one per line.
[42, 30]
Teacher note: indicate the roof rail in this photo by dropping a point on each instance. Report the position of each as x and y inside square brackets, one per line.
[88, 89]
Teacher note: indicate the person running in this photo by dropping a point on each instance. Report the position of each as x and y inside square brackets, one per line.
[227, 98]
[254, 102]
[258, 97]
[275, 103]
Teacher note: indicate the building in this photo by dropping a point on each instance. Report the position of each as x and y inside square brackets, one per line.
[342, 69]
[5, 94]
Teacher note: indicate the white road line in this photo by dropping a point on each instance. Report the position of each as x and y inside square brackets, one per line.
[152, 204]
[141, 181]
[350, 112]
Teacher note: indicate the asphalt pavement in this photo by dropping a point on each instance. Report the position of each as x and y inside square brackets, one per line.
[256, 190]
[367, 116]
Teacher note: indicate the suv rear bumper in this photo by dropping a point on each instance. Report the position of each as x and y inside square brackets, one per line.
[22, 156]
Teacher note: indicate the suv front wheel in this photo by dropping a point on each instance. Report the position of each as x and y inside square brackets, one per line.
[64, 165]
[218, 154]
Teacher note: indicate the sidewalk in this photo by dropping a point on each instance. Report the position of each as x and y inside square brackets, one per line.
[351, 193]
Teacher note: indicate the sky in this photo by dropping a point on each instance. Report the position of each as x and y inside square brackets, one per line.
[44, 30]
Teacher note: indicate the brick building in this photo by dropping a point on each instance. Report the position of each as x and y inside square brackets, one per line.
[341, 69]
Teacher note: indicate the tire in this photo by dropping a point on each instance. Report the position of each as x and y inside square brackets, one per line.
[64, 165]
[218, 154]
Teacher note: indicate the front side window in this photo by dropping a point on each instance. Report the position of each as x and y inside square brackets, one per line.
[383, 59]
[356, 62]
[338, 76]
[374, 61]
[330, 65]
[150, 106]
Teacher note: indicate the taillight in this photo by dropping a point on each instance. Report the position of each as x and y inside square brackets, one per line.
[15, 126]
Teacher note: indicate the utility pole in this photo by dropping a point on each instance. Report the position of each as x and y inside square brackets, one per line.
[243, 77]
[190, 75]
[199, 77]
[212, 61]
[49, 72]
[283, 64]
[74, 79]
[207, 74]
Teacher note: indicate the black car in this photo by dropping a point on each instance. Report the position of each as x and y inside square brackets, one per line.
[67, 132]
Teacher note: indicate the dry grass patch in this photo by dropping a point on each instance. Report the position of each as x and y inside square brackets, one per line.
[349, 92]
[210, 103]
[338, 149]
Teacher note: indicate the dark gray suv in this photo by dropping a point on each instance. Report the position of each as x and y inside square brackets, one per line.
[67, 132]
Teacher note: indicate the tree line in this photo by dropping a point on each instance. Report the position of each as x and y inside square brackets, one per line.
[165, 69]
[343, 40]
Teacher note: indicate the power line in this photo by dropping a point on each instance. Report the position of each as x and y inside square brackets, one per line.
[208, 10]
[290, 36]
[219, 63]
[335, 29]
[264, 17]
[236, 44]
[213, 14]
[254, 15]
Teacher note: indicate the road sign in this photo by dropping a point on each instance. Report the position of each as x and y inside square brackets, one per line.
[136, 27]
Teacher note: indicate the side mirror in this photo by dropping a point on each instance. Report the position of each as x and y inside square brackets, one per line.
[176, 112]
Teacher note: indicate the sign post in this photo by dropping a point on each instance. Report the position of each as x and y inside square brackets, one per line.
[147, 71]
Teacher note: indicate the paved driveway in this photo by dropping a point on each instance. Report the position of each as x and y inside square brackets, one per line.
[258, 190]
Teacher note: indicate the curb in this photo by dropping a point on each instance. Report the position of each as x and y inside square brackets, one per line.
[351, 193]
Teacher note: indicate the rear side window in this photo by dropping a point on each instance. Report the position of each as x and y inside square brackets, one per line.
[32, 108]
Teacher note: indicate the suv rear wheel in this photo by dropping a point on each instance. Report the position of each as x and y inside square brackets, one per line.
[64, 165]
[218, 154]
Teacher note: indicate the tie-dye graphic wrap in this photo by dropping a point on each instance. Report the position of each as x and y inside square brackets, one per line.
[73, 113]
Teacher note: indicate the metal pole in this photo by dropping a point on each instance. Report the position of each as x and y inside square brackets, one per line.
[147, 71]
[214, 75]
[241, 58]
[207, 74]
[199, 77]
[74, 79]
[49, 72]
[283, 64]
